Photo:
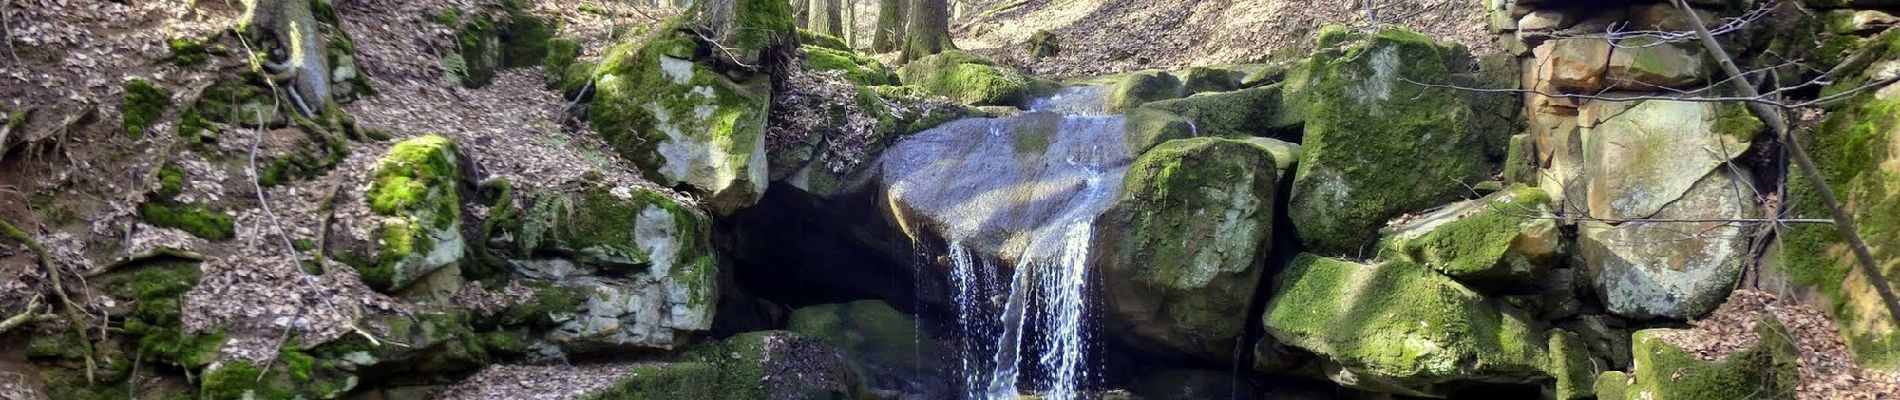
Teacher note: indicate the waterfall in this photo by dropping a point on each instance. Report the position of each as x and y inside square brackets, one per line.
[1020, 191]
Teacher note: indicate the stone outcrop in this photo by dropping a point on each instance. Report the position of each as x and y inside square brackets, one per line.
[1371, 151]
[1181, 250]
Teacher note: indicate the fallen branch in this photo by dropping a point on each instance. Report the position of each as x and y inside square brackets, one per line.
[32, 309]
[1843, 222]
[59, 288]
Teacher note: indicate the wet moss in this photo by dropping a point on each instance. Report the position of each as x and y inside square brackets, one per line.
[198, 220]
[142, 105]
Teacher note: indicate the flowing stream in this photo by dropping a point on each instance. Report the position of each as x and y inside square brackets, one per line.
[1021, 191]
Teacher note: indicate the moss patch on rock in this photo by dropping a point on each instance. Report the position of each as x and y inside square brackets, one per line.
[684, 123]
[857, 69]
[754, 365]
[1474, 241]
[1141, 88]
[1372, 148]
[414, 190]
[1764, 370]
[1403, 329]
[1187, 236]
[198, 220]
[1853, 148]
[968, 79]
[143, 104]
[1241, 113]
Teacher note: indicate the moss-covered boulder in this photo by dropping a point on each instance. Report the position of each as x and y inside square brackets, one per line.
[1240, 113]
[882, 345]
[638, 264]
[1662, 370]
[1643, 67]
[1505, 239]
[1182, 248]
[682, 122]
[1204, 79]
[1396, 327]
[1855, 149]
[755, 365]
[969, 79]
[1140, 88]
[1372, 150]
[415, 194]
[1677, 270]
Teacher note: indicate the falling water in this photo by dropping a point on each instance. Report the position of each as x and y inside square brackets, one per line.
[1026, 189]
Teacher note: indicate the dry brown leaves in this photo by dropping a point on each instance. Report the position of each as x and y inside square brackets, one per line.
[1124, 35]
[538, 382]
[1827, 367]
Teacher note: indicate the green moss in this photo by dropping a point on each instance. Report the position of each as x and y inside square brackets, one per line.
[873, 336]
[857, 69]
[187, 51]
[1403, 329]
[236, 102]
[415, 188]
[1043, 43]
[171, 181]
[1140, 88]
[562, 53]
[1241, 113]
[1204, 79]
[1765, 370]
[1474, 246]
[412, 173]
[968, 79]
[197, 220]
[446, 17]
[810, 39]
[526, 37]
[1371, 150]
[652, 95]
[142, 106]
[1146, 127]
[1851, 148]
[1736, 121]
[736, 368]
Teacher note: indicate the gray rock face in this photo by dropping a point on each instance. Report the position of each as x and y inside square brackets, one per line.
[1647, 155]
[1676, 270]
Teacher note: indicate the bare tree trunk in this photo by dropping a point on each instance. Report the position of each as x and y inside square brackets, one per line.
[929, 31]
[825, 18]
[850, 23]
[801, 11]
[293, 27]
[1843, 221]
[890, 26]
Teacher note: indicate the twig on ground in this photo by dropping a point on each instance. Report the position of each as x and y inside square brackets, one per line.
[25, 316]
[59, 288]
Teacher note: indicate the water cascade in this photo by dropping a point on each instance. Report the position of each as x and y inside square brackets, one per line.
[1021, 191]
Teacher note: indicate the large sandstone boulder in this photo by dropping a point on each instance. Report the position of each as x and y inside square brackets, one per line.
[1645, 155]
[1679, 267]
[1181, 250]
[1395, 327]
[684, 123]
[1372, 150]
[413, 191]
[1505, 239]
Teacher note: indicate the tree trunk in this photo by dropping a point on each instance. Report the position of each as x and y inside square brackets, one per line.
[293, 27]
[850, 23]
[801, 10]
[890, 26]
[929, 31]
[825, 18]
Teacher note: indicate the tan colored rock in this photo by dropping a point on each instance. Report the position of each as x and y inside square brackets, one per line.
[1659, 66]
[1543, 20]
[1647, 156]
[1665, 16]
[1574, 65]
